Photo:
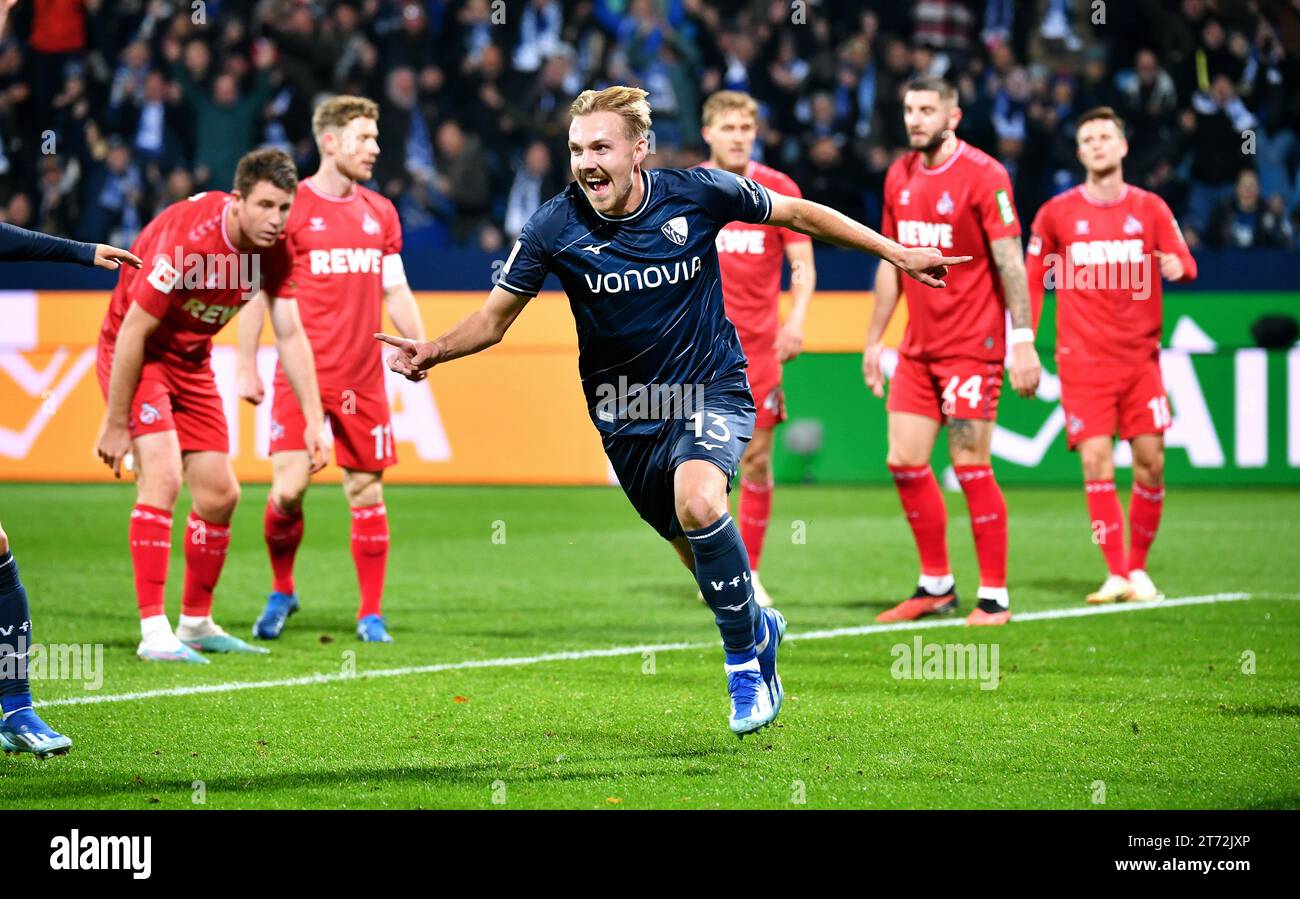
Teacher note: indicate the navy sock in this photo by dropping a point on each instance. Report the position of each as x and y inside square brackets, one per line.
[15, 638]
[722, 569]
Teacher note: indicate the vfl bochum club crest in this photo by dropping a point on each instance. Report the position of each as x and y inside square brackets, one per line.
[675, 230]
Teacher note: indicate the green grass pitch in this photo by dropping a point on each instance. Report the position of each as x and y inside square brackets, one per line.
[1182, 706]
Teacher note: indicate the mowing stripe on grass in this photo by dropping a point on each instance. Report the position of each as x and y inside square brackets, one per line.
[576, 655]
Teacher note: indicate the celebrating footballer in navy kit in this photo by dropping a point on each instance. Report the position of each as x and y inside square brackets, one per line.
[634, 251]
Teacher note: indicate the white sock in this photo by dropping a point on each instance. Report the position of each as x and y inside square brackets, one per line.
[155, 628]
[198, 626]
[938, 584]
[998, 594]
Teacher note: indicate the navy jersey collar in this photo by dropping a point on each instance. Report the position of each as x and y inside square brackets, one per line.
[645, 201]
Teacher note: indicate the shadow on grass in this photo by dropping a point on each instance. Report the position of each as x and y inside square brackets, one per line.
[1067, 586]
[1265, 711]
[422, 780]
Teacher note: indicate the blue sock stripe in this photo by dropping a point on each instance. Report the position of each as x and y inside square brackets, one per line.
[706, 533]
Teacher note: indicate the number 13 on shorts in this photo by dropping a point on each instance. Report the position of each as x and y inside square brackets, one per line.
[717, 428]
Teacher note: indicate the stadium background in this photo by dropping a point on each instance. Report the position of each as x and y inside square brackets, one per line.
[111, 110]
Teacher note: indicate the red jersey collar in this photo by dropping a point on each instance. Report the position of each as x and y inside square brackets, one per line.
[944, 166]
[333, 199]
[1083, 192]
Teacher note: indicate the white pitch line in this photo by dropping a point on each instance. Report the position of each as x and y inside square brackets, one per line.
[577, 655]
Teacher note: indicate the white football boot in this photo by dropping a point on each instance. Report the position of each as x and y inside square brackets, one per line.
[1114, 589]
[159, 644]
[1142, 588]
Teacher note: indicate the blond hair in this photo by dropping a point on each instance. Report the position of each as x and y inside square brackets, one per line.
[628, 102]
[729, 101]
[337, 111]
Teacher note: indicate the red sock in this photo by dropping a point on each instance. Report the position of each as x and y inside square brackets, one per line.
[206, 544]
[1143, 520]
[370, 553]
[1107, 524]
[755, 509]
[923, 505]
[150, 534]
[283, 533]
[988, 521]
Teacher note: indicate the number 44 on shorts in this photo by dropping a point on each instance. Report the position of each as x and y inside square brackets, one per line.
[968, 390]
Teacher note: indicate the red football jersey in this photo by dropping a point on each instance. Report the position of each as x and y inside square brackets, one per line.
[958, 207]
[194, 279]
[343, 246]
[1107, 280]
[750, 257]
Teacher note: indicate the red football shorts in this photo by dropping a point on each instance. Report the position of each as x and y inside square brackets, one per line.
[765, 384]
[360, 422]
[946, 388]
[1105, 399]
[171, 398]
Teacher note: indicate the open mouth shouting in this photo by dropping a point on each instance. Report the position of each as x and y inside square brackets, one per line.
[597, 185]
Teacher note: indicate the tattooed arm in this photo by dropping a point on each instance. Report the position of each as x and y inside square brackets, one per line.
[1024, 368]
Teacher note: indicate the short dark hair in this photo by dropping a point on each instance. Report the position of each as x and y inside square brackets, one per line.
[266, 164]
[947, 93]
[1100, 112]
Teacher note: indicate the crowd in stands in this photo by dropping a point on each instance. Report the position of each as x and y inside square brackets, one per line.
[112, 109]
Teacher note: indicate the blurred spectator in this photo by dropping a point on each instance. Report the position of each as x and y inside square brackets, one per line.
[1245, 220]
[58, 46]
[1214, 127]
[462, 178]
[112, 199]
[1207, 86]
[540, 30]
[1150, 107]
[19, 211]
[829, 179]
[225, 122]
[534, 184]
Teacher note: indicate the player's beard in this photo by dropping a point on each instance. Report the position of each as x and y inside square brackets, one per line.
[934, 143]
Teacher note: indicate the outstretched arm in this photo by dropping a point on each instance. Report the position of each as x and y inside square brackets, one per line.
[20, 245]
[476, 332]
[925, 264]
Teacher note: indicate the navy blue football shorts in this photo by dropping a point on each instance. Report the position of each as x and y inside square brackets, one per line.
[716, 432]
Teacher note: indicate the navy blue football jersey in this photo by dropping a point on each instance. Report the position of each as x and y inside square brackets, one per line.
[644, 288]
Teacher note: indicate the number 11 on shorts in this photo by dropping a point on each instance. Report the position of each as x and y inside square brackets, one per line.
[1159, 407]
[383, 435]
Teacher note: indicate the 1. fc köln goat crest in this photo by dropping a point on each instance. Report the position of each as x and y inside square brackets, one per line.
[675, 230]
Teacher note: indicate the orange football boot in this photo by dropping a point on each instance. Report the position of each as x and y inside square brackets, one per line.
[920, 604]
[979, 617]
